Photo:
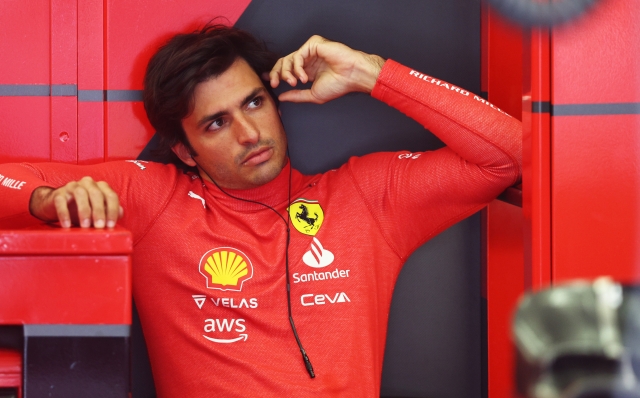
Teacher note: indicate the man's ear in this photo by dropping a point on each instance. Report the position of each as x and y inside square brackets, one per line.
[183, 153]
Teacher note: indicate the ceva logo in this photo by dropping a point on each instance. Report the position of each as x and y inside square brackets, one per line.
[321, 299]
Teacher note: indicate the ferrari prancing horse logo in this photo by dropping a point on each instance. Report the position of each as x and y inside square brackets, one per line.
[306, 216]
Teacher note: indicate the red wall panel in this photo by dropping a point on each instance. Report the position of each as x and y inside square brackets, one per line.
[596, 192]
[133, 33]
[128, 129]
[536, 173]
[91, 81]
[81, 51]
[505, 279]
[596, 144]
[504, 283]
[24, 47]
[504, 83]
[24, 129]
[596, 57]
[64, 77]
[136, 29]
[24, 60]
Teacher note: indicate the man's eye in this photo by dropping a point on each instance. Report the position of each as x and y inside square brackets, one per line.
[256, 102]
[216, 124]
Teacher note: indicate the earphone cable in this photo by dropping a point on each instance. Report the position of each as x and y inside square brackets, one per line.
[305, 357]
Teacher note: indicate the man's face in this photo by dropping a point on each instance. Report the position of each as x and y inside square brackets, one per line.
[235, 129]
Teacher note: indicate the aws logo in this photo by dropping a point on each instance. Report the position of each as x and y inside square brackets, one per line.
[226, 268]
[306, 216]
[226, 327]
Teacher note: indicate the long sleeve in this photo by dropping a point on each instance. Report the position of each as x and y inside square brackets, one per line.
[415, 196]
[143, 189]
[17, 183]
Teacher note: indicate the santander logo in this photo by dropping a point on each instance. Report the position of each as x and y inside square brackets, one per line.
[317, 256]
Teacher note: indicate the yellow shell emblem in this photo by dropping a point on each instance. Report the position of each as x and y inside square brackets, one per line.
[306, 216]
[226, 268]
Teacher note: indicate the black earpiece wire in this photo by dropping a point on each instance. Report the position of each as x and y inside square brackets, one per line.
[287, 222]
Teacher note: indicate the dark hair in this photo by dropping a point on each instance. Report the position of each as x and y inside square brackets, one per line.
[186, 60]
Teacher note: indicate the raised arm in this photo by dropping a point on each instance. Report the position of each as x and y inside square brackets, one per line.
[334, 69]
[421, 192]
[472, 127]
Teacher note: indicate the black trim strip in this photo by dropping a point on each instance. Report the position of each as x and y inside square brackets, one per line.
[123, 95]
[64, 90]
[77, 330]
[91, 95]
[24, 90]
[68, 90]
[540, 107]
[623, 108]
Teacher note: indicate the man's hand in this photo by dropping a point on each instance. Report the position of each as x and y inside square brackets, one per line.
[334, 69]
[85, 203]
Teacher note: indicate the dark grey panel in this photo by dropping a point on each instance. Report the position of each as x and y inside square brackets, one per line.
[433, 347]
[434, 336]
[440, 38]
[80, 366]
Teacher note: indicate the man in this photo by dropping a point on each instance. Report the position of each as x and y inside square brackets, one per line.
[229, 294]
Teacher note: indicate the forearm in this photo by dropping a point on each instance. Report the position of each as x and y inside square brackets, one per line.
[477, 131]
[17, 185]
[56, 192]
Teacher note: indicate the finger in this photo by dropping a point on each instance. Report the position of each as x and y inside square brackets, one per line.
[97, 203]
[83, 206]
[299, 96]
[60, 201]
[112, 203]
[274, 75]
[298, 67]
[285, 74]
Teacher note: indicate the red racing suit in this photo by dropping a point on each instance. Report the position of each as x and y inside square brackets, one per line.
[209, 270]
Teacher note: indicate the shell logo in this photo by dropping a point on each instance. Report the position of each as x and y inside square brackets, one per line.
[225, 268]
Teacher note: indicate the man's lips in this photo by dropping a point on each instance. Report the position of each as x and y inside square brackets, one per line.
[259, 156]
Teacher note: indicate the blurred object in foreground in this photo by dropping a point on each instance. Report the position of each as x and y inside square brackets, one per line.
[579, 340]
[530, 13]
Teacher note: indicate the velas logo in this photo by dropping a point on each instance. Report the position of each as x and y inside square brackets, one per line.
[306, 216]
[226, 268]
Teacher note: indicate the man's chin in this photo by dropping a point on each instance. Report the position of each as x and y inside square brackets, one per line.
[261, 174]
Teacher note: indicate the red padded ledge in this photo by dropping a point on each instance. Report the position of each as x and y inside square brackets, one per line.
[51, 240]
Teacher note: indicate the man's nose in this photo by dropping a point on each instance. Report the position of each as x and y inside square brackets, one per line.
[247, 131]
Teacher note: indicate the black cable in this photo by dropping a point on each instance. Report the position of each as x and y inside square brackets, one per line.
[305, 357]
[530, 13]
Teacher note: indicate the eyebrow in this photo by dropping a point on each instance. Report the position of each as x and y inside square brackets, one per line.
[245, 100]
